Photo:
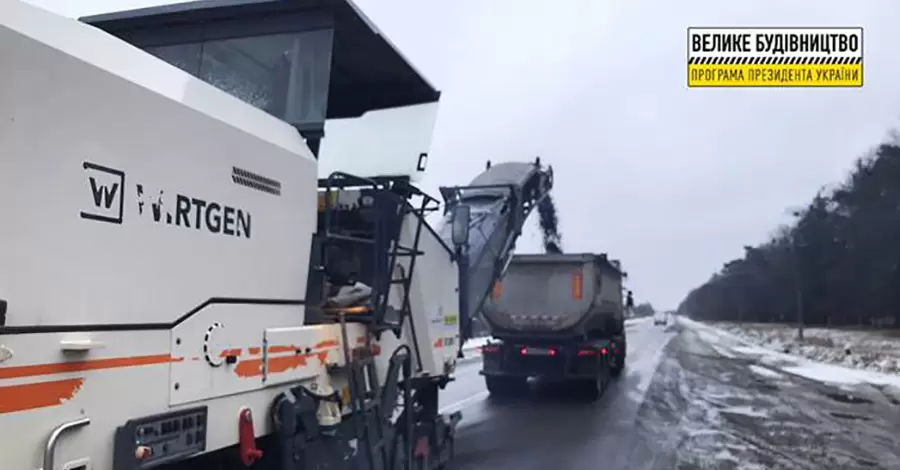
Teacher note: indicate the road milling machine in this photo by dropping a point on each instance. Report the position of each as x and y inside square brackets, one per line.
[214, 253]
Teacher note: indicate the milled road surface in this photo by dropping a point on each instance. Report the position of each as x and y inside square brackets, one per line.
[681, 404]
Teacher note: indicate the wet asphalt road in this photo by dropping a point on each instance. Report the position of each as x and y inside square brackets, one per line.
[554, 428]
[680, 404]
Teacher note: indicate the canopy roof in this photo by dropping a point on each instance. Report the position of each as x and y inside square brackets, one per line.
[367, 71]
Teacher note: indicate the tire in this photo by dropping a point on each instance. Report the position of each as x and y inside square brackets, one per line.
[616, 370]
[622, 348]
[593, 389]
[506, 386]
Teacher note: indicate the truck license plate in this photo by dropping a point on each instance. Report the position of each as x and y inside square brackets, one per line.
[538, 352]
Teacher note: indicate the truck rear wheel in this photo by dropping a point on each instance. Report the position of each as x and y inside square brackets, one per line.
[616, 370]
[618, 365]
[506, 386]
[618, 359]
[592, 389]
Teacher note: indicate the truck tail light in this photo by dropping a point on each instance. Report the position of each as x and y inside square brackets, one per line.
[577, 281]
[590, 352]
[490, 349]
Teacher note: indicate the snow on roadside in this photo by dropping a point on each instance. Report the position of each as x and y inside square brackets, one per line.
[637, 321]
[476, 343]
[857, 349]
[721, 339]
[765, 372]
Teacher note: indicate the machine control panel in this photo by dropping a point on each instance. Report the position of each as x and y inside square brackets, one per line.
[150, 441]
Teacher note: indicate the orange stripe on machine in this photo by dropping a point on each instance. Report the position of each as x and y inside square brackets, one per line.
[38, 395]
[80, 366]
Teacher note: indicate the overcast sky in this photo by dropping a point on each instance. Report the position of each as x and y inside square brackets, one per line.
[673, 181]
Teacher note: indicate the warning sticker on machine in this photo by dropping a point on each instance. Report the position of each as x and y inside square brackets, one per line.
[775, 57]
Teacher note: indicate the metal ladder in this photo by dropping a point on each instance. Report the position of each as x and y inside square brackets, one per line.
[396, 251]
[372, 405]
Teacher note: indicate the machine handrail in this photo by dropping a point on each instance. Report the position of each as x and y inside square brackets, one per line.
[55, 435]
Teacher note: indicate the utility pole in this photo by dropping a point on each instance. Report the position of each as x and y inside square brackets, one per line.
[742, 292]
[798, 278]
[737, 280]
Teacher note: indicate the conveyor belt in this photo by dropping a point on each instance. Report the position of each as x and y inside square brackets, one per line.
[500, 200]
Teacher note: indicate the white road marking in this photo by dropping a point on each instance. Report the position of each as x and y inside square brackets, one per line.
[464, 403]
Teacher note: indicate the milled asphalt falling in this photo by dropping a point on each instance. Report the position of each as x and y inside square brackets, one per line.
[679, 405]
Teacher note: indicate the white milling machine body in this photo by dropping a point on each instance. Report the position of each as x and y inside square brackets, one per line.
[183, 282]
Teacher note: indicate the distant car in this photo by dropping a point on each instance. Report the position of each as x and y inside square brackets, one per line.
[660, 318]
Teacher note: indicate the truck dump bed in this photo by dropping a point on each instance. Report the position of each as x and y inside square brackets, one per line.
[556, 293]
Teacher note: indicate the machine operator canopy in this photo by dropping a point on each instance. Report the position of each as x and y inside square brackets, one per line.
[303, 61]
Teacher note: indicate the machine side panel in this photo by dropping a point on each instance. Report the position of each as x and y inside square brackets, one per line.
[434, 301]
[297, 353]
[230, 349]
[41, 387]
[121, 205]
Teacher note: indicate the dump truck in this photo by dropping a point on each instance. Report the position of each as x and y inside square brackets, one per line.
[557, 317]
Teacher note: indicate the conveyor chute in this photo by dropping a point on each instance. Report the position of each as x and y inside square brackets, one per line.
[489, 214]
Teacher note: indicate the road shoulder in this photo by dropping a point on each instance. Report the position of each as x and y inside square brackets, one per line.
[712, 407]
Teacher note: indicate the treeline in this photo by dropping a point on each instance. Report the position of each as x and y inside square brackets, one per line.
[838, 263]
[644, 309]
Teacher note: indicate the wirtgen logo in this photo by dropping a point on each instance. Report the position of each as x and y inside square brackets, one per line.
[107, 188]
[106, 201]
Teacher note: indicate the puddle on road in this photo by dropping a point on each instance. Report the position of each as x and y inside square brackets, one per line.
[862, 462]
[770, 387]
[866, 463]
[847, 398]
[890, 393]
[746, 410]
[765, 371]
[851, 416]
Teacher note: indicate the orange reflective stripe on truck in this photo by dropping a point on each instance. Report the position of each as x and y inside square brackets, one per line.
[577, 285]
